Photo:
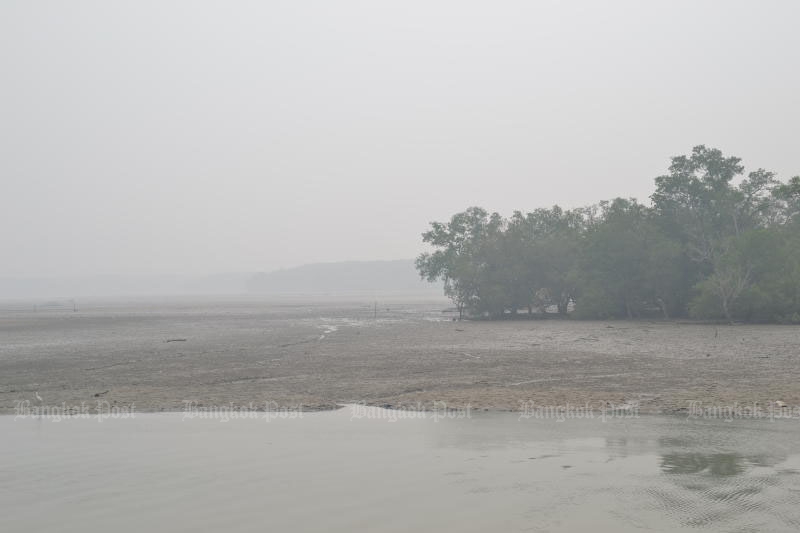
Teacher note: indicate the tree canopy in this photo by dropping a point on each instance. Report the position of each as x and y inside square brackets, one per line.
[714, 243]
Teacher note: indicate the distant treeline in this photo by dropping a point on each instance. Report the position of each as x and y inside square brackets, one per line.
[714, 244]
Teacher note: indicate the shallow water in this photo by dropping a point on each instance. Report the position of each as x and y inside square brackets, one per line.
[356, 469]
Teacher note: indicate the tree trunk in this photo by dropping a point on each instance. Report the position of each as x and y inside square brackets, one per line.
[725, 310]
[563, 306]
[663, 307]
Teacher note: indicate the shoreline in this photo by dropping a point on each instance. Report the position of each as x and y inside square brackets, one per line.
[395, 414]
[612, 411]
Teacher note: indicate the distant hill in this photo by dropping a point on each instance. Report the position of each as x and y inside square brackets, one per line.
[122, 285]
[349, 276]
[317, 278]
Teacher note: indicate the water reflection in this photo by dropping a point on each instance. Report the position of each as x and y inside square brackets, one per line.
[698, 476]
[725, 489]
[718, 464]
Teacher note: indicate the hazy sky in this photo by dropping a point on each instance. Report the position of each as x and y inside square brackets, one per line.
[195, 137]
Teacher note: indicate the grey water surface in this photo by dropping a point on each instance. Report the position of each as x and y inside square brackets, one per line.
[369, 469]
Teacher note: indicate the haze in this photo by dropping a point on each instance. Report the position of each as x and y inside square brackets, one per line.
[201, 137]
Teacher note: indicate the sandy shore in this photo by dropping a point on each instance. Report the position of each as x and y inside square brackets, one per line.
[315, 356]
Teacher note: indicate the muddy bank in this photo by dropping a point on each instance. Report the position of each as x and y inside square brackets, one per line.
[304, 355]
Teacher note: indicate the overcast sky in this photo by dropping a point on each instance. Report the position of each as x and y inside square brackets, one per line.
[196, 137]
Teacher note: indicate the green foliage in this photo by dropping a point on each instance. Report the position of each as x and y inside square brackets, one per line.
[708, 247]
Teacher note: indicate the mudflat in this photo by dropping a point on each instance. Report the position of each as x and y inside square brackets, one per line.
[316, 354]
